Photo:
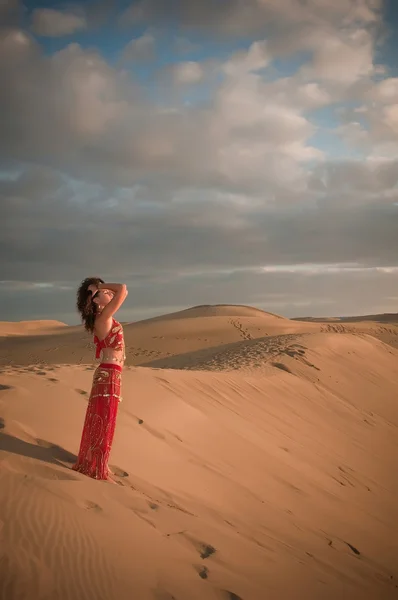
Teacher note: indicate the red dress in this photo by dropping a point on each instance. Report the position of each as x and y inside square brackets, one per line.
[100, 421]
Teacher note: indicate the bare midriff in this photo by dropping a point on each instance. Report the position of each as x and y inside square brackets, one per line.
[111, 349]
[111, 355]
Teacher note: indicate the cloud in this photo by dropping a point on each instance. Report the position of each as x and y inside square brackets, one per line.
[48, 22]
[253, 16]
[372, 125]
[385, 91]
[54, 105]
[183, 45]
[267, 133]
[354, 182]
[255, 58]
[188, 72]
[341, 57]
[100, 12]
[192, 232]
[10, 12]
[91, 119]
[142, 48]
[339, 36]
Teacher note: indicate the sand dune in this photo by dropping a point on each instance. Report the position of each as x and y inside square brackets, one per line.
[252, 468]
[147, 340]
[28, 327]
[216, 310]
[185, 332]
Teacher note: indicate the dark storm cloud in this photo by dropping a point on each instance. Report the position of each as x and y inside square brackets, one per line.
[48, 231]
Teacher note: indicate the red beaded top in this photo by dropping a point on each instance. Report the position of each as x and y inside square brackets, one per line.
[114, 339]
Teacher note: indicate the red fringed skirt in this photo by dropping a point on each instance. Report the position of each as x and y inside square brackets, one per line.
[100, 422]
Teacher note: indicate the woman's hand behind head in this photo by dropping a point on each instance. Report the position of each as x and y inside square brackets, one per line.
[92, 288]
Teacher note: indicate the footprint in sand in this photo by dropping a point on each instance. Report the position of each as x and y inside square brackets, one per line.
[282, 367]
[203, 572]
[89, 505]
[207, 551]
[82, 392]
[118, 471]
[353, 549]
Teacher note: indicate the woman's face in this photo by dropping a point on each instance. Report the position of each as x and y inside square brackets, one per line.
[102, 297]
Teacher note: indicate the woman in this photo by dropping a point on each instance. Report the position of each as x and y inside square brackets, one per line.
[97, 302]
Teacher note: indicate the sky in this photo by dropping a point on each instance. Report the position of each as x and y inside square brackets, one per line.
[222, 151]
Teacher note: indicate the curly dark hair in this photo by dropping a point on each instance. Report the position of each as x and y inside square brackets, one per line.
[86, 308]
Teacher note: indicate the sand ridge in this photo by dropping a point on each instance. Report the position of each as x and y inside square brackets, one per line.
[273, 455]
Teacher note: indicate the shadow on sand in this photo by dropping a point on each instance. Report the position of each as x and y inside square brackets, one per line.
[42, 450]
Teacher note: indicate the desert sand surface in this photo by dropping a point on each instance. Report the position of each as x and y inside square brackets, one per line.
[255, 458]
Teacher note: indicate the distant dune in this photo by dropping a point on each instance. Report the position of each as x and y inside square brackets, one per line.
[215, 310]
[255, 458]
[381, 318]
[28, 327]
